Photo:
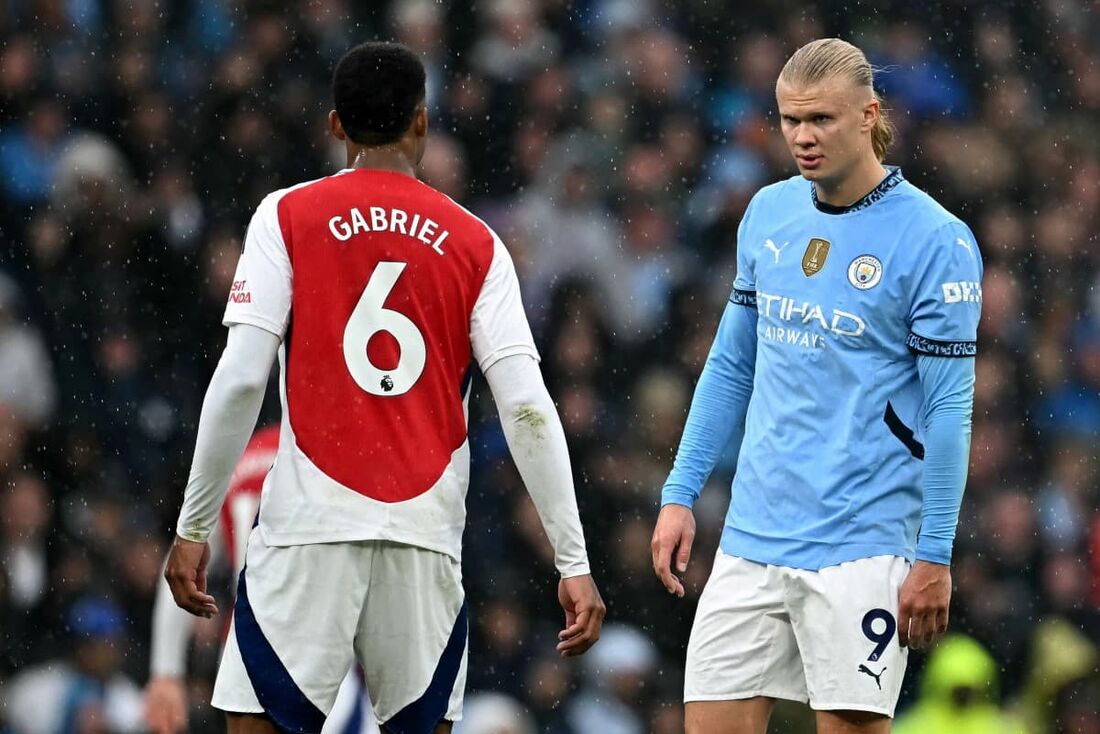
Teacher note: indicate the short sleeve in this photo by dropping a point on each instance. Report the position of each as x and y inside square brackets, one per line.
[498, 324]
[261, 290]
[946, 303]
[744, 285]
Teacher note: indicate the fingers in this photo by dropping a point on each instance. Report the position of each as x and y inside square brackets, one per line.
[683, 554]
[913, 628]
[584, 613]
[671, 582]
[922, 630]
[924, 604]
[918, 632]
[935, 626]
[188, 596]
[674, 533]
[920, 624]
[662, 561]
[571, 636]
[574, 624]
[942, 622]
[200, 570]
[585, 632]
[657, 550]
[186, 576]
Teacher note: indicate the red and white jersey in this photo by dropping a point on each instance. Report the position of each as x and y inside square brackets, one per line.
[242, 500]
[384, 291]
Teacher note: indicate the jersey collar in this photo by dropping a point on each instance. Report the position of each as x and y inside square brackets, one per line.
[892, 179]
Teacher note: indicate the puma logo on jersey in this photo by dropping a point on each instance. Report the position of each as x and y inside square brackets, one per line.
[864, 669]
[776, 250]
[964, 244]
[963, 291]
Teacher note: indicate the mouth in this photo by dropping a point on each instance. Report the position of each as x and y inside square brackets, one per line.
[809, 161]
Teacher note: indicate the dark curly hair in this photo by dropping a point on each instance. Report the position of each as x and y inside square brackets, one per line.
[376, 89]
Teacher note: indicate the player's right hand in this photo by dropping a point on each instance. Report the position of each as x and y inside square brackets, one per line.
[584, 613]
[674, 533]
[166, 705]
[924, 603]
[186, 576]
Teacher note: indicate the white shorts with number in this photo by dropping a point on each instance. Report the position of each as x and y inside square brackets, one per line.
[305, 613]
[826, 637]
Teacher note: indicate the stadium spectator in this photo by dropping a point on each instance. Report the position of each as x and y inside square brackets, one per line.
[85, 693]
[617, 678]
[1063, 663]
[494, 713]
[26, 374]
[958, 693]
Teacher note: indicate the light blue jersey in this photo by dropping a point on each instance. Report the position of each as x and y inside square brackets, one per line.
[833, 349]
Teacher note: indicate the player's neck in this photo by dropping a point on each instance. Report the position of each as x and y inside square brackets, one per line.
[382, 158]
[852, 187]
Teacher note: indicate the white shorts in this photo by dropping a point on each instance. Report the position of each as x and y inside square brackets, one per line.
[826, 637]
[352, 712]
[305, 613]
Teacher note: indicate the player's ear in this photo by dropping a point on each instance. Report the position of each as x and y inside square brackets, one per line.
[870, 115]
[420, 131]
[420, 121]
[335, 126]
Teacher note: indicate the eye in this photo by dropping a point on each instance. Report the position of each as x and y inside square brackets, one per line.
[790, 120]
[822, 118]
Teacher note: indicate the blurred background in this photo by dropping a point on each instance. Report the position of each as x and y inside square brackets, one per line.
[614, 145]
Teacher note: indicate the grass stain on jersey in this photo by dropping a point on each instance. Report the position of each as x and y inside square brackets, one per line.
[532, 419]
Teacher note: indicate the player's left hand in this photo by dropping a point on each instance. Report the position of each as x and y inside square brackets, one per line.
[186, 576]
[584, 613]
[923, 604]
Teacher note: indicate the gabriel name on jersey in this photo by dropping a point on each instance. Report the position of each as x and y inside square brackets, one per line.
[419, 228]
[846, 298]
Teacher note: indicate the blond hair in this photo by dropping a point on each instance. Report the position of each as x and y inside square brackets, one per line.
[831, 57]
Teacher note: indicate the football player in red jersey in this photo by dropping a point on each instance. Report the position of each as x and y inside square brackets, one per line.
[376, 292]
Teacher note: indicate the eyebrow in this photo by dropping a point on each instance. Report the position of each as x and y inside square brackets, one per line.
[806, 115]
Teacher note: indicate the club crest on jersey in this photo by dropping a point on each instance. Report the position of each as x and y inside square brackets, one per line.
[813, 260]
[865, 272]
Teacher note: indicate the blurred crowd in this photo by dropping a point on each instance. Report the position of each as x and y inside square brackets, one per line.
[614, 145]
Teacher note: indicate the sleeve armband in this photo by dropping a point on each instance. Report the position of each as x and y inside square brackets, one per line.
[936, 348]
[743, 298]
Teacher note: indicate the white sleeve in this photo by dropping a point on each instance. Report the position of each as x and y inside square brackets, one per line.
[537, 441]
[226, 422]
[498, 324]
[261, 290]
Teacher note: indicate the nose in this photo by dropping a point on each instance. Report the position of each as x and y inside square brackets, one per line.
[803, 138]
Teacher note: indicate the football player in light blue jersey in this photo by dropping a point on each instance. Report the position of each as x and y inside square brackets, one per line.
[847, 351]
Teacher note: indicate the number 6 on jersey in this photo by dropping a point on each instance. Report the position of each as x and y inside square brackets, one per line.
[369, 318]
